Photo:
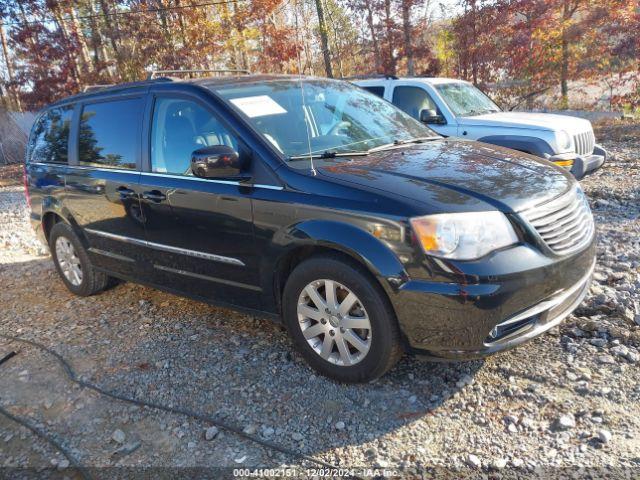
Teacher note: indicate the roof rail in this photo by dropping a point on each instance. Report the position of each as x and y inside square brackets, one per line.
[91, 88]
[155, 73]
[375, 75]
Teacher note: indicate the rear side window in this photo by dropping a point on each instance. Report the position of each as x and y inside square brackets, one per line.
[110, 133]
[412, 99]
[379, 91]
[49, 140]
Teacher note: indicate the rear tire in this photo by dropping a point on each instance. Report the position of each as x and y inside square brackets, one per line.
[72, 262]
[349, 332]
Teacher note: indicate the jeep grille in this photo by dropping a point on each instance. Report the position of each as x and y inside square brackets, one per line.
[584, 142]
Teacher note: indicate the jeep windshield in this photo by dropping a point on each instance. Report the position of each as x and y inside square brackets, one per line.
[322, 118]
[465, 100]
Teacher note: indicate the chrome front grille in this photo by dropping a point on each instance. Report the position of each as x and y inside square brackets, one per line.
[564, 224]
[584, 142]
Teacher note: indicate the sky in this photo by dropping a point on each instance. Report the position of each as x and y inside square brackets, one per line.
[449, 8]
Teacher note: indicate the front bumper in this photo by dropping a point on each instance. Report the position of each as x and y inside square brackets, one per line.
[521, 295]
[583, 164]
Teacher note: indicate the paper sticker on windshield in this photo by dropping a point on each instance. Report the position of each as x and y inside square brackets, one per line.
[258, 106]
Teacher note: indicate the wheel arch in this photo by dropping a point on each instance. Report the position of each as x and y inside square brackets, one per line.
[53, 212]
[323, 237]
[523, 143]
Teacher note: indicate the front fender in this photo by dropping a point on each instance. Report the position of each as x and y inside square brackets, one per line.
[533, 145]
[348, 239]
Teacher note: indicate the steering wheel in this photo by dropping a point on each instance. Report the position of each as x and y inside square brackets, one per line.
[339, 126]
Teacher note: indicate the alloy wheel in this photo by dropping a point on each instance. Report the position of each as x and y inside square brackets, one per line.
[68, 261]
[334, 322]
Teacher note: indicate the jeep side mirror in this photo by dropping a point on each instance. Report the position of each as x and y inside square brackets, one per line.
[215, 161]
[430, 116]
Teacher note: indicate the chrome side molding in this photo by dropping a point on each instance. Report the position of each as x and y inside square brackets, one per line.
[225, 182]
[115, 256]
[160, 174]
[167, 248]
[200, 276]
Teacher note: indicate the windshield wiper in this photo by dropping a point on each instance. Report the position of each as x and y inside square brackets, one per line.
[397, 143]
[361, 153]
[329, 154]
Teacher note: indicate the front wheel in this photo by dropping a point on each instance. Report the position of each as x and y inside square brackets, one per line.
[340, 320]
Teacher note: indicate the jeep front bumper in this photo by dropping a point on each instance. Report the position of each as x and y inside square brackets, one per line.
[581, 165]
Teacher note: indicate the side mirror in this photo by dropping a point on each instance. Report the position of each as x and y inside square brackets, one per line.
[216, 161]
[431, 117]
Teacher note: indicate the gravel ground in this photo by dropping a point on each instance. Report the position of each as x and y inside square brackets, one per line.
[568, 399]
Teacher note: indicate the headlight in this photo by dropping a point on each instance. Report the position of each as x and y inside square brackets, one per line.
[463, 236]
[564, 140]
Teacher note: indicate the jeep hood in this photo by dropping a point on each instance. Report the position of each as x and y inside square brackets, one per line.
[534, 121]
[454, 175]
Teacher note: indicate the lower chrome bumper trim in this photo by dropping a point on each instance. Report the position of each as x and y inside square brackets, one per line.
[544, 308]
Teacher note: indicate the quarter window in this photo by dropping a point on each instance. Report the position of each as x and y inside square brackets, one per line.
[110, 133]
[412, 100]
[379, 91]
[49, 141]
[180, 127]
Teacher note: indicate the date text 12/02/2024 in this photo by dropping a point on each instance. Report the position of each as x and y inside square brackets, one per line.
[293, 472]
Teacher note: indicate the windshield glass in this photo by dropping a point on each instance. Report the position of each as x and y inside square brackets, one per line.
[466, 100]
[334, 116]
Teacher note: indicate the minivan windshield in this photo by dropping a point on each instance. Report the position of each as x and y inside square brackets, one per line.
[320, 116]
[465, 100]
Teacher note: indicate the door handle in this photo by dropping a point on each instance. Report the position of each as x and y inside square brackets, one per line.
[125, 192]
[154, 196]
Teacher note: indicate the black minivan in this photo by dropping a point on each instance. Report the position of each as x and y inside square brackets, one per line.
[315, 202]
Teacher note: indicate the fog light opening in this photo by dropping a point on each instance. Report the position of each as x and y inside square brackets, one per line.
[564, 163]
[508, 329]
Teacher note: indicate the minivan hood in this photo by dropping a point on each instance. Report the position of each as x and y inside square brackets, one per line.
[536, 121]
[455, 175]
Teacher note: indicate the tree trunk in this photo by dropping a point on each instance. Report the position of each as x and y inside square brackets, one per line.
[230, 43]
[68, 47]
[98, 44]
[406, 27]
[183, 29]
[164, 26]
[374, 37]
[79, 35]
[564, 67]
[474, 62]
[9, 63]
[390, 57]
[337, 45]
[242, 44]
[111, 33]
[324, 40]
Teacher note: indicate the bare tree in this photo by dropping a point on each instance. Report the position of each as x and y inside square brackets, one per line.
[406, 30]
[324, 38]
[9, 63]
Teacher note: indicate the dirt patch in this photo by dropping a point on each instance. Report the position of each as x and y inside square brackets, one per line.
[11, 175]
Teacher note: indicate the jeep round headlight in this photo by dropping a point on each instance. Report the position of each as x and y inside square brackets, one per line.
[564, 140]
[463, 236]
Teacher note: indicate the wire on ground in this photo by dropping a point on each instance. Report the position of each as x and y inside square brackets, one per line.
[71, 374]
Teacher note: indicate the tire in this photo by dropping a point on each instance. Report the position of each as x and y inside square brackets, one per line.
[382, 335]
[86, 280]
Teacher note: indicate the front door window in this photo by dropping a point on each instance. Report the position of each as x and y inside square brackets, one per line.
[412, 100]
[180, 127]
